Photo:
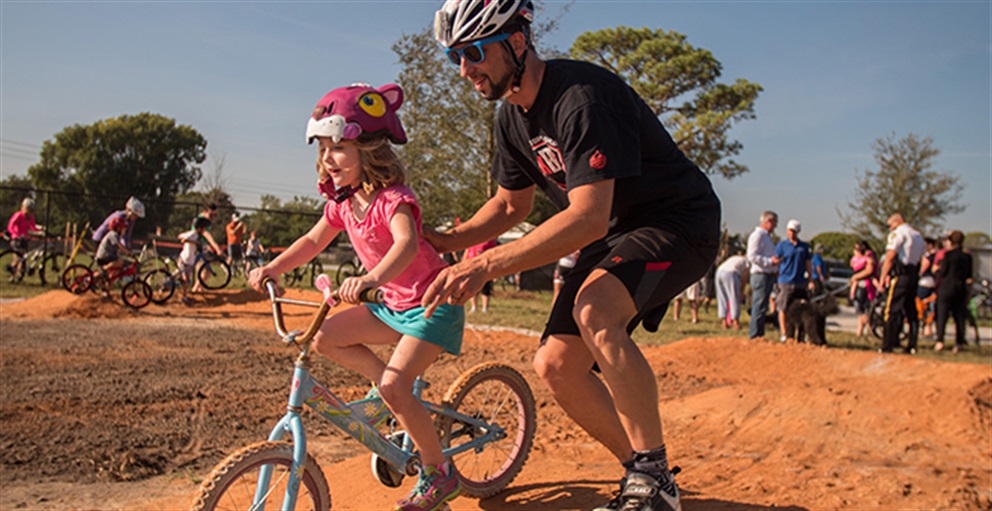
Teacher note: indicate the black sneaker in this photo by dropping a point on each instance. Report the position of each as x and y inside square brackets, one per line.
[642, 492]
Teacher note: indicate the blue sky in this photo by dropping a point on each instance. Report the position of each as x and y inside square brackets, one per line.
[836, 76]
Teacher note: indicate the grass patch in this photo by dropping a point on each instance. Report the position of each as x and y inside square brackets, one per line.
[10, 290]
[529, 310]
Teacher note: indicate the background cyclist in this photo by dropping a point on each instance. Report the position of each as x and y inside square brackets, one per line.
[133, 210]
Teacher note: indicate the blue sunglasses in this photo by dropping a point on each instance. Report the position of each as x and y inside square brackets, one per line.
[473, 52]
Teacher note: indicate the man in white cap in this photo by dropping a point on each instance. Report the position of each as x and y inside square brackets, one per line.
[797, 262]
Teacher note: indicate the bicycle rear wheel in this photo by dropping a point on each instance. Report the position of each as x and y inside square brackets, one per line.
[345, 270]
[162, 285]
[77, 279]
[50, 273]
[311, 271]
[214, 274]
[232, 484]
[136, 294]
[499, 395]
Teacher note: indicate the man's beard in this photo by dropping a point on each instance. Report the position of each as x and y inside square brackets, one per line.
[500, 88]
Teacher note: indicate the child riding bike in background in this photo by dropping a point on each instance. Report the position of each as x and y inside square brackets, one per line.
[193, 241]
[359, 170]
[133, 210]
[111, 246]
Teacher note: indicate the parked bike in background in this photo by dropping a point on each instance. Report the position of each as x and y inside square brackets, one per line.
[305, 275]
[41, 265]
[352, 268]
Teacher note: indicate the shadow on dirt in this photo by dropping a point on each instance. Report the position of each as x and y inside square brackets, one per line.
[583, 494]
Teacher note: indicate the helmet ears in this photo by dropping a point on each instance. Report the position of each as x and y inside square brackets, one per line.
[393, 95]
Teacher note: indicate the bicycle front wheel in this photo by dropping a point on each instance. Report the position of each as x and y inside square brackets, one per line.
[214, 274]
[233, 483]
[77, 279]
[500, 396]
[136, 294]
[162, 285]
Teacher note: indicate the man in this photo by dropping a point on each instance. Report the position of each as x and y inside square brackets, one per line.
[235, 237]
[764, 268]
[795, 260]
[818, 278]
[645, 218]
[900, 276]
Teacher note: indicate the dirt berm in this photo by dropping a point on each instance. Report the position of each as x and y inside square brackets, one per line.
[103, 408]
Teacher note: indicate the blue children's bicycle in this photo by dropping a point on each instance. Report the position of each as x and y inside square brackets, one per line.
[486, 424]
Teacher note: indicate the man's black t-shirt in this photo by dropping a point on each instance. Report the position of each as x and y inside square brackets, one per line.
[587, 125]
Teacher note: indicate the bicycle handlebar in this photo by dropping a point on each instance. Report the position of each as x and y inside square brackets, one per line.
[324, 306]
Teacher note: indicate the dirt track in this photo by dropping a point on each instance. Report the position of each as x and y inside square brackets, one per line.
[102, 408]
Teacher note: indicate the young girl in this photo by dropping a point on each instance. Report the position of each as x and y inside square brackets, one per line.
[358, 168]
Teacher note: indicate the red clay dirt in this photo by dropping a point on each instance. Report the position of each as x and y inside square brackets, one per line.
[104, 408]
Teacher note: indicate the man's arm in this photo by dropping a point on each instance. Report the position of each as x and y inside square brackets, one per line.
[890, 256]
[499, 214]
[585, 220]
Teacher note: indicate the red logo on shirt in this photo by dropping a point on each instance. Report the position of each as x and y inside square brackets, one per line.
[597, 161]
[549, 159]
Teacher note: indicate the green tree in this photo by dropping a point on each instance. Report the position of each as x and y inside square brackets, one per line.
[99, 166]
[278, 224]
[903, 183]
[13, 189]
[977, 239]
[450, 132]
[679, 82]
[838, 245]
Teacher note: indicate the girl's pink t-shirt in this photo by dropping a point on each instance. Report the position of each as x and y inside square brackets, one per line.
[372, 238]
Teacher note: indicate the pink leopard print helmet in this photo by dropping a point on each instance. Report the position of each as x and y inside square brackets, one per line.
[358, 112]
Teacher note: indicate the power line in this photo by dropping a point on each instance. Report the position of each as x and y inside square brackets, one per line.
[5, 141]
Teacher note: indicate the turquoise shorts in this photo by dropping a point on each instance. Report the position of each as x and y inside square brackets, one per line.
[444, 328]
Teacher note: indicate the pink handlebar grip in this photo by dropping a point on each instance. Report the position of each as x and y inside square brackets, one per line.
[323, 283]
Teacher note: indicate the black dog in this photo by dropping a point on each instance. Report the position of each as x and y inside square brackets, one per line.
[808, 318]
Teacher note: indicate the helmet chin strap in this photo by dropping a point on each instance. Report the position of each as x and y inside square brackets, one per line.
[344, 193]
[521, 64]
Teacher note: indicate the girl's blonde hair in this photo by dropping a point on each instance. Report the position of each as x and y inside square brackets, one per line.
[381, 166]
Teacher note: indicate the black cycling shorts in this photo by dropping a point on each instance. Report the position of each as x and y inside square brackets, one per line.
[655, 263]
